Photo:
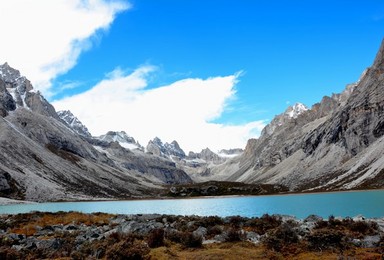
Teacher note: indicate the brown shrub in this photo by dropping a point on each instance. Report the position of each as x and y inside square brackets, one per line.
[323, 239]
[211, 221]
[284, 236]
[187, 239]
[235, 235]
[156, 238]
[127, 250]
[7, 253]
[264, 224]
[237, 221]
[364, 228]
[215, 230]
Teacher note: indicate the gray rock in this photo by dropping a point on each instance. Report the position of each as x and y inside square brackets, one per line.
[53, 243]
[252, 237]
[370, 241]
[200, 232]
[139, 227]
[71, 228]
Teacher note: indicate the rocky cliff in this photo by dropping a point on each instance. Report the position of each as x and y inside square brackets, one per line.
[337, 144]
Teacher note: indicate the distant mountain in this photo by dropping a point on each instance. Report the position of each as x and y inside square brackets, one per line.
[230, 152]
[73, 123]
[337, 144]
[44, 157]
[122, 138]
[166, 150]
[292, 112]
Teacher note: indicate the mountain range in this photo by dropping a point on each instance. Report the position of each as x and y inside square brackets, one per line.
[45, 155]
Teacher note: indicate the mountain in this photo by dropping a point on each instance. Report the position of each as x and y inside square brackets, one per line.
[43, 158]
[73, 123]
[230, 152]
[337, 144]
[16, 91]
[122, 138]
[167, 150]
[292, 112]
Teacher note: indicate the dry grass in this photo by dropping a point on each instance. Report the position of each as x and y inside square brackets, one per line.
[31, 221]
[245, 250]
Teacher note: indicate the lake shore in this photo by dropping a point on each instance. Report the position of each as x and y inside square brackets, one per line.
[8, 201]
[155, 236]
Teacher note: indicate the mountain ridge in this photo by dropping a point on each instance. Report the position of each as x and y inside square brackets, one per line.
[318, 149]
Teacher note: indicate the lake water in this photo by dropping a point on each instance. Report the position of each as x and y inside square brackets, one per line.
[367, 203]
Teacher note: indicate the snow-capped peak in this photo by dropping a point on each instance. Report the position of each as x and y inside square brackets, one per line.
[295, 110]
[73, 122]
[122, 138]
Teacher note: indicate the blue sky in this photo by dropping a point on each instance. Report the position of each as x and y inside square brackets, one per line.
[279, 52]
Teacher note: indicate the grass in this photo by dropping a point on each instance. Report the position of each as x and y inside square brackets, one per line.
[247, 250]
[26, 224]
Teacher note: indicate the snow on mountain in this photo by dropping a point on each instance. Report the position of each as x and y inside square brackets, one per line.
[295, 110]
[291, 113]
[122, 138]
[230, 153]
[17, 91]
[74, 123]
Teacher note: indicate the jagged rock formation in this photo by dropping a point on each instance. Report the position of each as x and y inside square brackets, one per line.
[122, 138]
[206, 155]
[337, 144]
[74, 123]
[43, 158]
[292, 112]
[166, 150]
[17, 91]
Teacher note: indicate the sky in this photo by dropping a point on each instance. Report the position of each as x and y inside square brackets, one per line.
[204, 73]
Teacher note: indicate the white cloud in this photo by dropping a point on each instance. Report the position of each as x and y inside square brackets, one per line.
[44, 38]
[181, 111]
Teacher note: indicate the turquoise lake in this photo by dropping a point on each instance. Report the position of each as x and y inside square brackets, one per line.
[367, 203]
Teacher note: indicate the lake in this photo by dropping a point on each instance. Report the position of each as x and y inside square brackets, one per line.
[367, 203]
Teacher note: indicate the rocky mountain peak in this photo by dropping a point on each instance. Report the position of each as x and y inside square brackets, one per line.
[292, 112]
[295, 110]
[74, 123]
[9, 74]
[17, 91]
[379, 60]
[157, 147]
[122, 138]
[207, 155]
[174, 149]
